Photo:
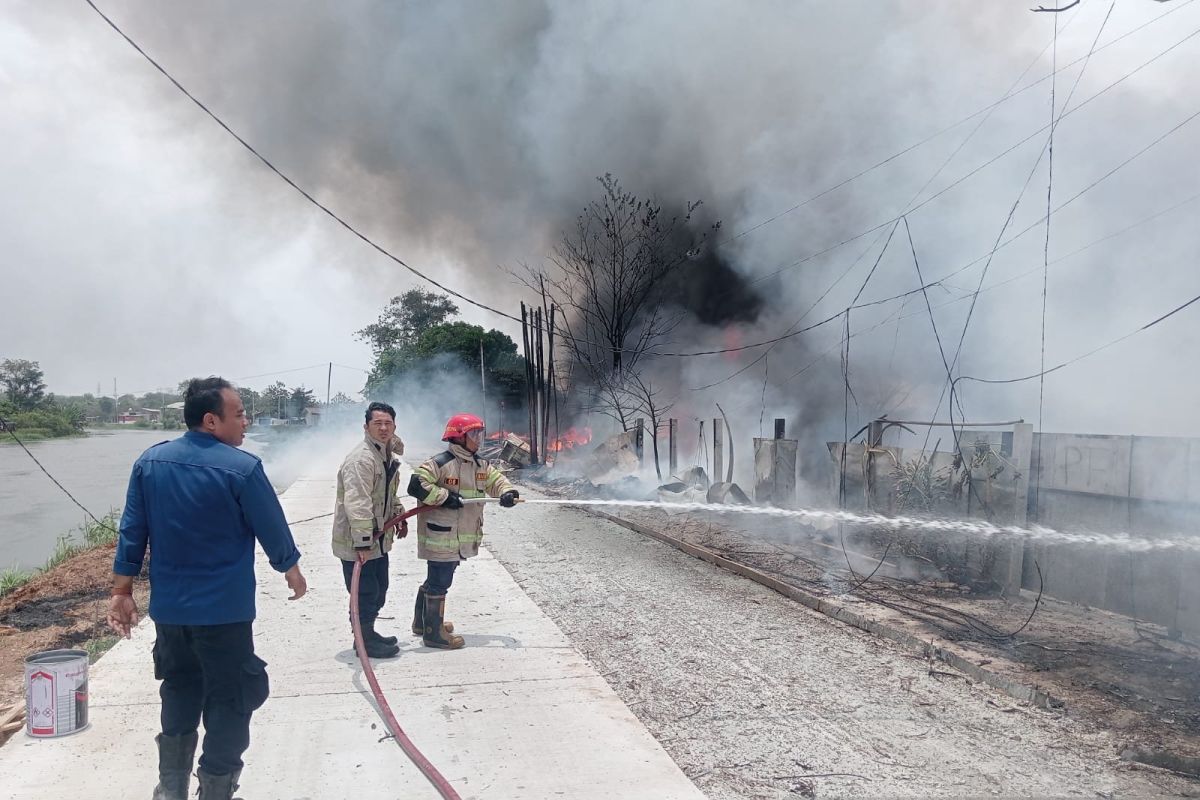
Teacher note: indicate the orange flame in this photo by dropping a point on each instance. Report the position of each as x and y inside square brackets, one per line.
[571, 438]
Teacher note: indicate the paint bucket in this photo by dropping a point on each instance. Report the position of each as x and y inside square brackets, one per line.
[56, 686]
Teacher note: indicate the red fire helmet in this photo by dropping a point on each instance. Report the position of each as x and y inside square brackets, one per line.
[459, 424]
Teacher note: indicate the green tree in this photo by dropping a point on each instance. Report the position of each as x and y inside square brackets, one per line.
[23, 384]
[274, 399]
[251, 399]
[455, 347]
[300, 399]
[405, 318]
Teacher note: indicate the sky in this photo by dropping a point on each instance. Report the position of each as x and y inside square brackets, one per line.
[144, 244]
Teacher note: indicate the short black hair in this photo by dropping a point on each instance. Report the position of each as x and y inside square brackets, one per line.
[384, 407]
[203, 396]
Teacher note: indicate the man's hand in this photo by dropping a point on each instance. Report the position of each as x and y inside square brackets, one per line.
[509, 498]
[295, 581]
[122, 614]
[453, 501]
[402, 529]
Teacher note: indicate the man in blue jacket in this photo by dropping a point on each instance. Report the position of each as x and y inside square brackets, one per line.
[200, 503]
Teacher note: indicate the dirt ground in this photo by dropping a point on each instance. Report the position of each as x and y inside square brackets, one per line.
[756, 696]
[1126, 676]
[61, 608]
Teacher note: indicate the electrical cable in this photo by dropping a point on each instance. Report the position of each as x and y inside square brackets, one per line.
[1037, 488]
[8, 428]
[1081, 357]
[977, 169]
[283, 176]
[511, 317]
[990, 107]
[1054, 121]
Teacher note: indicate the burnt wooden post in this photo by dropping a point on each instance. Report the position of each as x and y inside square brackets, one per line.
[672, 450]
[639, 439]
[718, 457]
[779, 427]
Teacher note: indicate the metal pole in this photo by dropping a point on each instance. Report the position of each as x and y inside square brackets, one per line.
[672, 451]
[718, 462]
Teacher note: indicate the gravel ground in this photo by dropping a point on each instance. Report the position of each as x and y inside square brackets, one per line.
[755, 696]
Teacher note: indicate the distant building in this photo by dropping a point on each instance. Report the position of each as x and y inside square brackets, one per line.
[133, 416]
[312, 416]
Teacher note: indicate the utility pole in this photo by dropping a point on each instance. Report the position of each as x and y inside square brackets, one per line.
[482, 385]
[328, 383]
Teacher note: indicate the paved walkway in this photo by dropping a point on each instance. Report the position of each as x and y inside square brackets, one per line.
[518, 713]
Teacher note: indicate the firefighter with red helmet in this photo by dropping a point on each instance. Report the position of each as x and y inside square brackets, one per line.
[451, 530]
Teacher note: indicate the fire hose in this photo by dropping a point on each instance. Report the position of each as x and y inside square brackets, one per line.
[389, 719]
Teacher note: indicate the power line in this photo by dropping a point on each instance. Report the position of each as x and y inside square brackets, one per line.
[9, 428]
[959, 181]
[915, 197]
[1158, 140]
[1088, 354]
[988, 108]
[281, 372]
[379, 248]
[266, 162]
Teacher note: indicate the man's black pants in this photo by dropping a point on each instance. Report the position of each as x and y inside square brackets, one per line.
[438, 577]
[372, 587]
[210, 672]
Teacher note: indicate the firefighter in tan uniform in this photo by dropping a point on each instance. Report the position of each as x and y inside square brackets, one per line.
[367, 483]
[452, 530]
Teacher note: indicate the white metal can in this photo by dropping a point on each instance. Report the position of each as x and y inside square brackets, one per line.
[56, 693]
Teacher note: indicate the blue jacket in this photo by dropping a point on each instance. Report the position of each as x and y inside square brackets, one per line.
[200, 504]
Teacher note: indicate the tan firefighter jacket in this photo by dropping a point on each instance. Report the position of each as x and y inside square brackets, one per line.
[445, 534]
[366, 497]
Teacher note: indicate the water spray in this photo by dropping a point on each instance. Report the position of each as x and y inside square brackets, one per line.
[1036, 533]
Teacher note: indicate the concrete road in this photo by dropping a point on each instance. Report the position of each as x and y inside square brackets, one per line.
[518, 713]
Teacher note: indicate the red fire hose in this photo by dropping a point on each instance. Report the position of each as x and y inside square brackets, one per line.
[427, 768]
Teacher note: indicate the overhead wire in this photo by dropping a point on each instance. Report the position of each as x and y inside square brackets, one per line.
[960, 180]
[383, 251]
[1056, 118]
[1112, 343]
[899, 316]
[286, 179]
[991, 106]
[1037, 488]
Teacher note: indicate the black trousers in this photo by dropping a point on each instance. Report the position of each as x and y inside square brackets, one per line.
[210, 672]
[438, 577]
[372, 587]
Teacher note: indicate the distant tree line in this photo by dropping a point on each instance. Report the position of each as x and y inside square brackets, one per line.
[33, 412]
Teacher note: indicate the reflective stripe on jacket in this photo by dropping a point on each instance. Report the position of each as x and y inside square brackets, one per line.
[445, 534]
[366, 497]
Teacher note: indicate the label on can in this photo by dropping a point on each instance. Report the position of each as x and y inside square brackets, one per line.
[56, 692]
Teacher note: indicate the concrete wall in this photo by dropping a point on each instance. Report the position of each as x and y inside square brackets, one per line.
[1148, 486]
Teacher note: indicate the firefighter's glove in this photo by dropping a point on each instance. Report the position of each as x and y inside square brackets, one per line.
[453, 501]
[509, 498]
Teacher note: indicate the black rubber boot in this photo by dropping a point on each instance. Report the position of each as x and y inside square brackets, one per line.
[375, 647]
[175, 757]
[435, 633]
[371, 634]
[418, 626]
[218, 787]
